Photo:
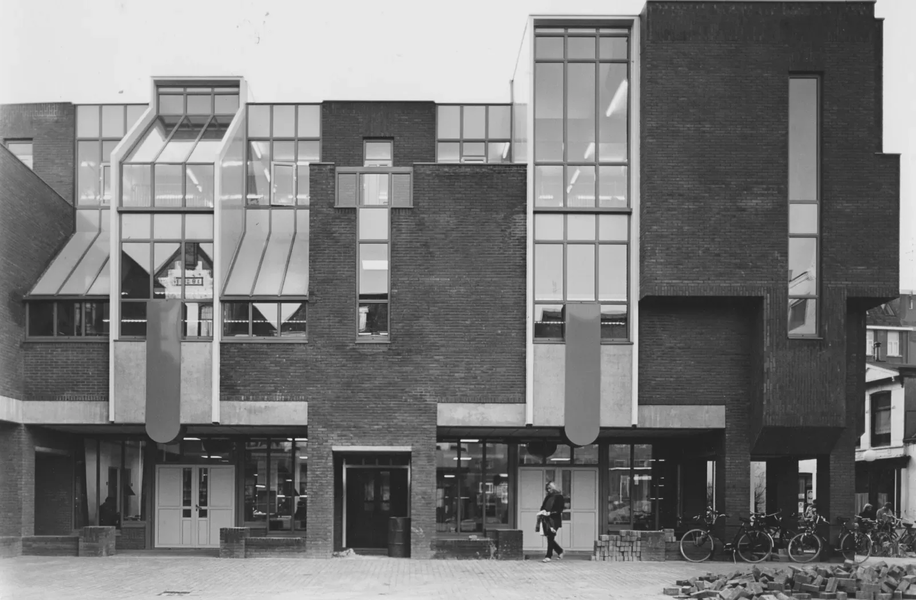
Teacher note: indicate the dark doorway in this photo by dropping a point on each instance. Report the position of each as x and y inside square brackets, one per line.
[374, 494]
[53, 494]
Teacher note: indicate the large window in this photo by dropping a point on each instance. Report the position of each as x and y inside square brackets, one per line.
[283, 139]
[581, 198]
[472, 486]
[167, 256]
[21, 149]
[67, 319]
[881, 419]
[276, 472]
[804, 197]
[631, 502]
[109, 481]
[283, 320]
[99, 128]
[474, 133]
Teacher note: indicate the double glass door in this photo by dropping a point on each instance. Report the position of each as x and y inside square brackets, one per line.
[192, 503]
[580, 517]
[373, 495]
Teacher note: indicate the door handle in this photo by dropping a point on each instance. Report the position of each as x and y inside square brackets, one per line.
[196, 507]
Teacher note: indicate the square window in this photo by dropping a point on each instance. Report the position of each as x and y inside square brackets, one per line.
[549, 321]
[41, 319]
[373, 320]
[293, 320]
[379, 154]
[235, 319]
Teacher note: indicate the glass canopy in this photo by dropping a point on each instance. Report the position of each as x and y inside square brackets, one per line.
[81, 268]
[272, 259]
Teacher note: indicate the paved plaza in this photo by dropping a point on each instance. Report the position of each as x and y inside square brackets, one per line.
[133, 576]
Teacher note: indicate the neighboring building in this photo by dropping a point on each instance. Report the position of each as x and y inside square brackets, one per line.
[885, 470]
[648, 269]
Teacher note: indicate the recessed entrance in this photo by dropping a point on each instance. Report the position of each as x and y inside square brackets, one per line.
[373, 493]
[580, 518]
[192, 503]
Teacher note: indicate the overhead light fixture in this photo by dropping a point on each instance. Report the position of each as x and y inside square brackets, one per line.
[449, 476]
[505, 150]
[462, 458]
[257, 150]
[192, 439]
[575, 177]
[302, 439]
[193, 178]
[590, 150]
[559, 460]
[469, 441]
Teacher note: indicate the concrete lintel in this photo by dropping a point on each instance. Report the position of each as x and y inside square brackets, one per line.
[372, 448]
[234, 412]
[468, 414]
[682, 416]
[64, 412]
[10, 409]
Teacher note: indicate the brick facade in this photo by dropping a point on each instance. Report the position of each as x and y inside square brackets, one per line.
[52, 129]
[66, 371]
[27, 245]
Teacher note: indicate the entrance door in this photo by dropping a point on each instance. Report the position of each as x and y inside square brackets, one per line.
[192, 504]
[580, 519]
[373, 495]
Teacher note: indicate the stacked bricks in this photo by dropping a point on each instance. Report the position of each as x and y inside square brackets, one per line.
[839, 582]
[97, 541]
[632, 546]
[274, 547]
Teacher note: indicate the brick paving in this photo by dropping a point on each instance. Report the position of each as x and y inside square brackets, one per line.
[134, 576]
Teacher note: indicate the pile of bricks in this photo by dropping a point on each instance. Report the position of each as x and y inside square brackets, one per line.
[839, 582]
[632, 546]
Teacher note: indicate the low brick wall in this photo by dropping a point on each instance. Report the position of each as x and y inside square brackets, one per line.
[10, 546]
[472, 548]
[633, 546]
[132, 537]
[237, 542]
[274, 547]
[97, 541]
[51, 545]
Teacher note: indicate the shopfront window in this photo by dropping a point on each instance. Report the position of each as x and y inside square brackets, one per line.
[631, 500]
[472, 486]
[275, 483]
[109, 480]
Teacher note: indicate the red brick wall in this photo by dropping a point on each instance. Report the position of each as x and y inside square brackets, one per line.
[714, 185]
[34, 223]
[17, 480]
[53, 494]
[344, 125]
[66, 371]
[457, 330]
[52, 129]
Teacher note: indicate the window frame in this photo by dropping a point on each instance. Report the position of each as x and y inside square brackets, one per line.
[893, 348]
[22, 141]
[816, 297]
[486, 140]
[877, 440]
[262, 339]
[377, 163]
[270, 140]
[71, 302]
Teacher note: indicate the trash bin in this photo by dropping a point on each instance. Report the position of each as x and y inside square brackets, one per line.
[399, 537]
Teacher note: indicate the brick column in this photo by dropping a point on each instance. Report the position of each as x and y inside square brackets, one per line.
[232, 541]
[733, 468]
[97, 541]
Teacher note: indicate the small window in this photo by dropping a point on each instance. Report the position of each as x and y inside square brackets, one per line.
[869, 342]
[379, 154]
[22, 149]
[893, 343]
[881, 419]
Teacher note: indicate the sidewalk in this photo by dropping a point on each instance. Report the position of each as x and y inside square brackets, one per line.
[147, 577]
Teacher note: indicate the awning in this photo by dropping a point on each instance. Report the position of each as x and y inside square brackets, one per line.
[81, 268]
[273, 256]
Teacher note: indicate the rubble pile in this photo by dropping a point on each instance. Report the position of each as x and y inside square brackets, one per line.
[631, 545]
[878, 581]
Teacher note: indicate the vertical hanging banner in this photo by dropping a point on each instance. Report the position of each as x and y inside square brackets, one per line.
[582, 420]
[163, 370]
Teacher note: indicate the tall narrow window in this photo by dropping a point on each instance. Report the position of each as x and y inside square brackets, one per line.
[893, 343]
[804, 196]
[373, 253]
[881, 419]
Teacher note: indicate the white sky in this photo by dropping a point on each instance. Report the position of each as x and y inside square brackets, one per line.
[85, 51]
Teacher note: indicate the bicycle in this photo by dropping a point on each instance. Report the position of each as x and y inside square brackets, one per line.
[776, 525]
[854, 544]
[889, 543]
[751, 542]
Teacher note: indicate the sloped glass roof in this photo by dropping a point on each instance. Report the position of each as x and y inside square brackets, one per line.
[81, 268]
[272, 259]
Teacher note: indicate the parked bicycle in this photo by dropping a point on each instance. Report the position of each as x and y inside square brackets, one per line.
[781, 529]
[855, 544]
[889, 543]
[751, 542]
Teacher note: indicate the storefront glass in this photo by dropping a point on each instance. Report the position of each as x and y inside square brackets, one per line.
[109, 482]
[275, 477]
[472, 486]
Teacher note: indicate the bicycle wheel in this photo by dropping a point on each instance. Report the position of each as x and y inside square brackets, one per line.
[805, 547]
[884, 545]
[754, 546]
[697, 545]
[856, 547]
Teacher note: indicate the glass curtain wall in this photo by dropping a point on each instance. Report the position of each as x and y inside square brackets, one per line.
[581, 179]
[474, 133]
[167, 195]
